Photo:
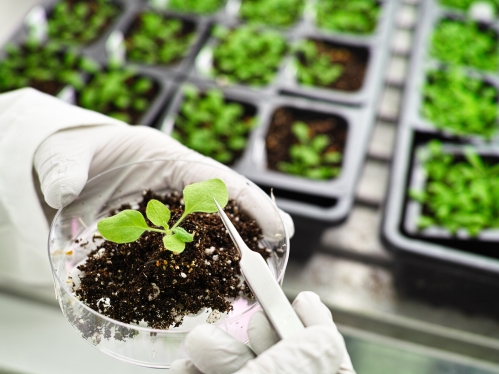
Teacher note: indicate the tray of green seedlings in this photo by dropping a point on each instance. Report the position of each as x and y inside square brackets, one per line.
[245, 58]
[206, 11]
[152, 39]
[343, 65]
[440, 217]
[455, 89]
[215, 122]
[124, 93]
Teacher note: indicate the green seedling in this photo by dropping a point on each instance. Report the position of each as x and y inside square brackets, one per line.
[348, 16]
[460, 192]
[310, 157]
[465, 43]
[128, 225]
[315, 68]
[119, 93]
[46, 67]
[155, 39]
[80, 22]
[466, 4]
[212, 126]
[196, 6]
[459, 104]
[247, 55]
[282, 13]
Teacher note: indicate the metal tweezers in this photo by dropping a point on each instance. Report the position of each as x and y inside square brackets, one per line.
[264, 286]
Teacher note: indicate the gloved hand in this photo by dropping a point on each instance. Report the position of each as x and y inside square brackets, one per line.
[319, 349]
[67, 159]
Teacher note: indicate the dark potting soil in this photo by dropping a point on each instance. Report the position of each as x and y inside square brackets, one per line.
[353, 59]
[144, 282]
[280, 137]
[49, 87]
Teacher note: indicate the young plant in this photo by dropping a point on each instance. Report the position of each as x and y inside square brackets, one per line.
[80, 22]
[247, 55]
[348, 16]
[465, 43]
[211, 125]
[311, 156]
[314, 67]
[462, 105]
[196, 6]
[128, 225]
[46, 67]
[283, 13]
[118, 93]
[460, 192]
[154, 39]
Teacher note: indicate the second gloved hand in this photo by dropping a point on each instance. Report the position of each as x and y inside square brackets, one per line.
[319, 349]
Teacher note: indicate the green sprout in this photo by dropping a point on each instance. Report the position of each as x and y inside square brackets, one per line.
[349, 16]
[119, 93]
[460, 192]
[311, 157]
[80, 22]
[465, 43]
[247, 55]
[213, 126]
[464, 106]
[466, 4]
[196, 6]
[314, 66]
[281, 13]
[46, 67]
[128, 225]
[155, 39]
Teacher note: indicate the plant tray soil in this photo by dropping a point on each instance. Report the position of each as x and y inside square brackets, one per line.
[280, 137]
[353, 59]
[144, 282]
[188, 28]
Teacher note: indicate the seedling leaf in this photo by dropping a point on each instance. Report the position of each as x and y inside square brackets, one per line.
[183, 235]
[173, 243]
[158, 213]
[199, 197]
[125, 227]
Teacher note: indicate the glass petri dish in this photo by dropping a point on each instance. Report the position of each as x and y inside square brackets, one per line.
[139, 344]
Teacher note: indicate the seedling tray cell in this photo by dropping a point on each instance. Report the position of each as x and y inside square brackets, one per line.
[178, 67]
[206, 18]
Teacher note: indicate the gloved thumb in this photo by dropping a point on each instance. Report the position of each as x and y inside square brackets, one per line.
[62, 162]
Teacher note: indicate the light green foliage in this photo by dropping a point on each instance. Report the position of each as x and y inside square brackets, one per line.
[117, 93]
[158, 40]
[80, 22]
[247, 55]
[196, 6]
[315, 68]
[36, 65]
[282, 13]
[349, 16]
[311, 158]
[212, 126]
[460, 193]
[464, 43]
[128, 225]
[465, 4]
[460, 104]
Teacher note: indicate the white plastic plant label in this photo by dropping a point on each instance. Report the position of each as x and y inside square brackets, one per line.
[115, 48]
[36, 22]
[482, 11]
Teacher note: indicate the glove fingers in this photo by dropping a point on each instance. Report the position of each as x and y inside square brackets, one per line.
[261, 334]
[183, 367]
[62, 162]
[315, 351]
[214, 351]
[311, 310]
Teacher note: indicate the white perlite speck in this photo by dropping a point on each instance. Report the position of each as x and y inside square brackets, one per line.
[155, 292]
[209, 251]
[183, 275]
[215, 258]
[214, 316]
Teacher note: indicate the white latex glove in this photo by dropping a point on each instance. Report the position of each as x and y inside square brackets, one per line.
[319, 349]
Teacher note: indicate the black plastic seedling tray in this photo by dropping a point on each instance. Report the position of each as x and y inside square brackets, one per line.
[97, 51]
[313, 204]
[432, 265]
